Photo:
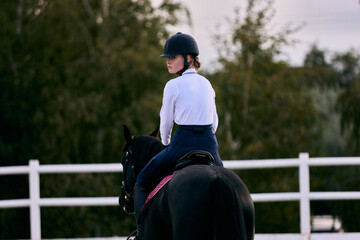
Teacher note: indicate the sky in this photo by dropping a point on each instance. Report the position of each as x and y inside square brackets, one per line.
[334, 25]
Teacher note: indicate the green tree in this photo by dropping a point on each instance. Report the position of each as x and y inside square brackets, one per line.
[348, 106]
[72, 72]
[326, 83]
[265, 110]
[347, 66]
[264, 106]
[323, 84]
[315, 58]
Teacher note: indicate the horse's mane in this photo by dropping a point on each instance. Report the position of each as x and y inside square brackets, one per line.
[144, 148]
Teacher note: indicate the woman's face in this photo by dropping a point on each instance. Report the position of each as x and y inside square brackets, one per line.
[175, 63]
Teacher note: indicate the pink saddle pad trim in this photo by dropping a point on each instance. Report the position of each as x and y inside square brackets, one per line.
[157, 189]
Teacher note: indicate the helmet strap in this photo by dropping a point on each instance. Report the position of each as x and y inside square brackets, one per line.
[186, 65]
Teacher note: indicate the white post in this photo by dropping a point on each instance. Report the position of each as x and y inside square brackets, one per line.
[304, 181]
[34, 188]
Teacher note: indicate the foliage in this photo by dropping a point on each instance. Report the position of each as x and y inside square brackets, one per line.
[271, 110]
[323, 83]
[266, 110]
[347, 66]
[349, 107]
[72, 72]
[332, 84]
[264, 105]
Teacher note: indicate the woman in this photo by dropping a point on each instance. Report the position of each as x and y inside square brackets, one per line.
[189, 101]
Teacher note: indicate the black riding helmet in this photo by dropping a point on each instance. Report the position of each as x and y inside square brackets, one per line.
[181, 43]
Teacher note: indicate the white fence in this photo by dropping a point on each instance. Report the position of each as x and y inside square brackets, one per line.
[304, 196]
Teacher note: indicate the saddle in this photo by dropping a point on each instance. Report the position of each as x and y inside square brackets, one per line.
[196, 157]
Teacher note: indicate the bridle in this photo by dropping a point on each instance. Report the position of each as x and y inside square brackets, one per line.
[127, 192]
[126, 199]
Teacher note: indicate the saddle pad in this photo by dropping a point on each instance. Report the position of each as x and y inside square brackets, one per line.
[156, 190]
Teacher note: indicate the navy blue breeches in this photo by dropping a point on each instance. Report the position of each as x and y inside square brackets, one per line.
[186, 138]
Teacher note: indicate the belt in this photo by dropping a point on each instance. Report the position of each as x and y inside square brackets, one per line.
[197, 129]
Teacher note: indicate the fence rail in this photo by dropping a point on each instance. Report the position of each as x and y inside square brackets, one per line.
[304, 196]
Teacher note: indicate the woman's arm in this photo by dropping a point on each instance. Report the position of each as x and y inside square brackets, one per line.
[167, 114]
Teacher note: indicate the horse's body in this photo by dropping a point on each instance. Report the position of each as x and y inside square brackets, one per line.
[199, 202]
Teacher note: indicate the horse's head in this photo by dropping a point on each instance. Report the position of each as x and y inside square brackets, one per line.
[138, 150]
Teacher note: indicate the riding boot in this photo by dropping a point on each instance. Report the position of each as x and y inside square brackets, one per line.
[139, 201]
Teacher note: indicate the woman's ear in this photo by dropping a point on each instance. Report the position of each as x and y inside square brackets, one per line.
[188, 58]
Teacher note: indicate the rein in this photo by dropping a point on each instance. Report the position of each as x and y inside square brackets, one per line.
[131, 234]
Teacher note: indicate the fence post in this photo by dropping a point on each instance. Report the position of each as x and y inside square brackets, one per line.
[304, 181]
[34, 188]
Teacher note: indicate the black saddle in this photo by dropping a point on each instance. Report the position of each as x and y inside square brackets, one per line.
[195, 157]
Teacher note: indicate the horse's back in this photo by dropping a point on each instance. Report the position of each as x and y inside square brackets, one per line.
[203, 202]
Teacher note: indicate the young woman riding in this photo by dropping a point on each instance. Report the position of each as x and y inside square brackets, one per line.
[189, 101]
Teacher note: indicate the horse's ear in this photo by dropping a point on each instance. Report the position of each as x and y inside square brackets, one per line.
[155, 132]
[127, 134]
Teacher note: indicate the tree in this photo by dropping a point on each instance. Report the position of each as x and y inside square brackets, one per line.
[262, 102]
[265, 110]
[347, 66]
[315, 58]
[72, 73]
[323, 84]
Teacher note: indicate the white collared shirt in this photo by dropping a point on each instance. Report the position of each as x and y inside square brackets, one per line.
[187, 100]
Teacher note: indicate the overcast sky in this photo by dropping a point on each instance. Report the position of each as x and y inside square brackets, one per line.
[333, 24]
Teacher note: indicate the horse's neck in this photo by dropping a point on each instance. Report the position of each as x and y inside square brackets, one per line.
[147, 148]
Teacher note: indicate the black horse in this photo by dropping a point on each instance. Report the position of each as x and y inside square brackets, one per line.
[199, 202]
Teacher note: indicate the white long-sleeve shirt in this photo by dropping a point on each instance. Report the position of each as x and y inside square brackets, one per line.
[187, 100]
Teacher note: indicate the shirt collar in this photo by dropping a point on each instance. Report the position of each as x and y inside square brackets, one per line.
[189, 71]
